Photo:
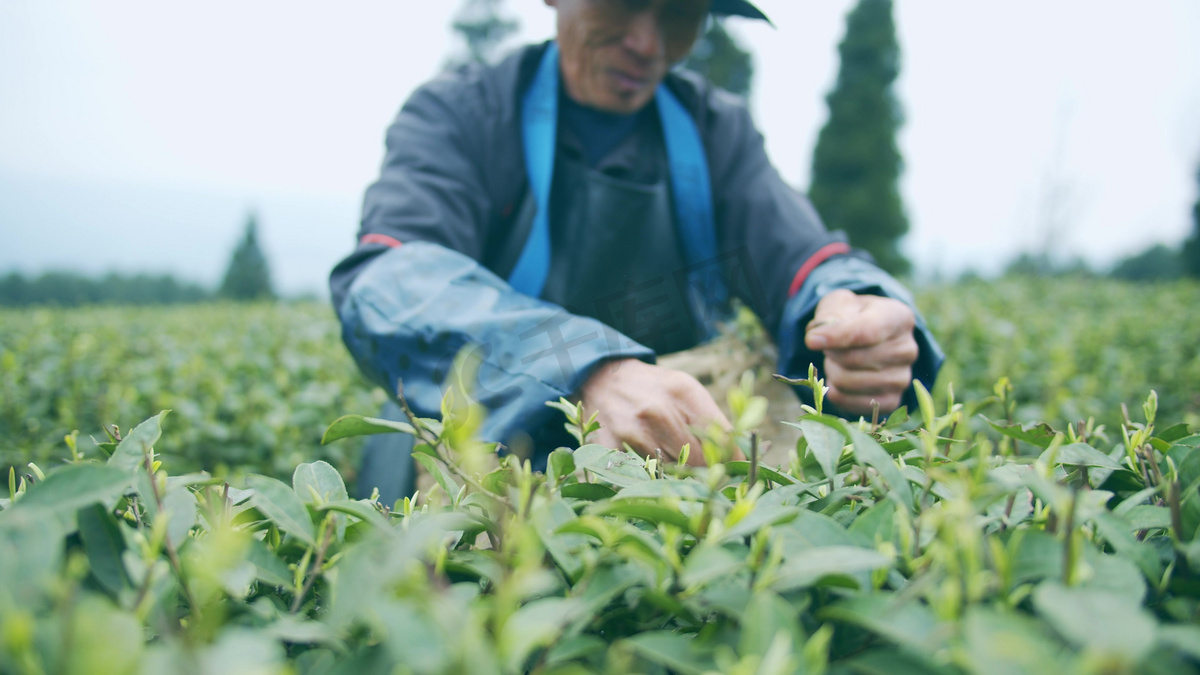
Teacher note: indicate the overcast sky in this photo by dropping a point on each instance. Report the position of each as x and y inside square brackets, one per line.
[136, 134]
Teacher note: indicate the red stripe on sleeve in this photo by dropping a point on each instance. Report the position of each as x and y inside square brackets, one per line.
[824, 253]
[390, 242]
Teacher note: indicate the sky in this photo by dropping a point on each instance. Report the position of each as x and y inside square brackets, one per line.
[137, 135]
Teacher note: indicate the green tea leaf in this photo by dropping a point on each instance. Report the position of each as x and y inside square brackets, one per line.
[1037, 434]
[440, 474]
[279, 503]
[1000, 643]
[688, 490]
[131, 452]
[896, 662]
[876, 523]
[74, 486]
[1102, 621]
[868, 451]
[648, 511]
[761, 517]
[362, 510]
[742, 468]
[813, 530]
[322, 479]
[709, 562]
[587, 491]
[269, 569]
[1039, 556]
[180, 507]
[1117, 531]
[909, 624]
[104, 545]
[560, 465]
[349, 426]
[670, 650]
[1081, 454]
[31, 553]
[537, 624]
[808, 568]
[1146, 517]
[620, 469]
[825, 443]
[897, 418]
[104, 639]
[765, 617]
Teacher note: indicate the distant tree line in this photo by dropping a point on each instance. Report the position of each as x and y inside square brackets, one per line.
[1156, 263]
[246, 278]
[71, 289]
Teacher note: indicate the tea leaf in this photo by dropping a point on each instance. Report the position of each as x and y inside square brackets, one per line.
[74, 486]
[810, 567]
[825, 443]
[132, 451]
[279, 503]
[350, 426]
[322, 478]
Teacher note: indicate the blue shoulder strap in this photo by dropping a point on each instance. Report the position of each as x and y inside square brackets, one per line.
[690, 186]
[539, 120]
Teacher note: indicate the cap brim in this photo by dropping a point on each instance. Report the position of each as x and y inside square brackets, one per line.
[738, 8]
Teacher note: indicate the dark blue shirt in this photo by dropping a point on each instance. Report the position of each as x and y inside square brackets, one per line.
[598, 131]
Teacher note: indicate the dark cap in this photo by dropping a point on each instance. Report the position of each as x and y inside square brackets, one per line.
[738, 8]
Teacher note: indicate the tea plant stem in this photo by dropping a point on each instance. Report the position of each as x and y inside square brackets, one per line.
[437, 445]
[315, 569]
[753, 459]
[1069, 539]
[1176, 510]
[1012, 500]
[1150, 455]
[1145, 471]
[172, 554]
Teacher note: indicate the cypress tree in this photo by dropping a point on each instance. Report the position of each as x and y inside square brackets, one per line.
[856, 164]
[722, 61]
[1191, 247]
[483, 28]
[247, 277]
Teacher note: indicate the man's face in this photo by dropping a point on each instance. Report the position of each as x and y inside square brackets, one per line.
[616, 52]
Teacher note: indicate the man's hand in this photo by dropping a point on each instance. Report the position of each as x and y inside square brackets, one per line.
[869, 349]
[650, 408]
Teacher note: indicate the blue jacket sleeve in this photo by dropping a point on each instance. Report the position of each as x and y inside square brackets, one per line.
[412, 309]
[853, 274]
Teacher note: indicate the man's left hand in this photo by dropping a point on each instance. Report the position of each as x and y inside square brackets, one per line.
[869, 349]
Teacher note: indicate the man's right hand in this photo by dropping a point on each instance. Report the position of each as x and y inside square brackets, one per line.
[650, 408]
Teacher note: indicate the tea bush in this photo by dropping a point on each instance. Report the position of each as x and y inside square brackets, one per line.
[252, 387]
[913, 546]
[1072, 348]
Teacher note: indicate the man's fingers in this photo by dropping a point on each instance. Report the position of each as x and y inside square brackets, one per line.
[659, 428]
[700, 408]
[899, 351]
[702, 411]
[862, 405]
[887, 382]
[651, 409]
[834, 306]
[872, 321]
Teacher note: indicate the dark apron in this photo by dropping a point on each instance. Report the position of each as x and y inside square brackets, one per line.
[615, 254]
[615, 257]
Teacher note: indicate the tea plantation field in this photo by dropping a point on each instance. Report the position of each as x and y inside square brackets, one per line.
[252, 387]
[959, 538]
